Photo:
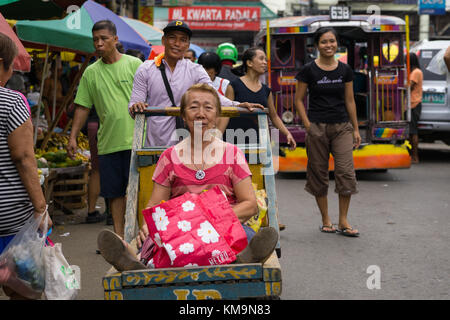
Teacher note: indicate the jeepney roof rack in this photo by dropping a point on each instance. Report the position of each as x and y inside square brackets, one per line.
[310, 24]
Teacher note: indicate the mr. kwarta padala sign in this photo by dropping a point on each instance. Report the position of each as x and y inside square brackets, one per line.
[218, 18]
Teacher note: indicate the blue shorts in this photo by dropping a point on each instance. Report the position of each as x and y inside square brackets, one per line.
[4, 242]
[114, 171]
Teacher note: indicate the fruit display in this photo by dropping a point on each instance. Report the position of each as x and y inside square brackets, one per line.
[42, 174]
[55, 155]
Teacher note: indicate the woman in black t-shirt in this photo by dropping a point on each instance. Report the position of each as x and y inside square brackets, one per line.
[249, 88]
[331, 126]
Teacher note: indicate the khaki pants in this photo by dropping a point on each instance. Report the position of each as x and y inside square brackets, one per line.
[321, 140]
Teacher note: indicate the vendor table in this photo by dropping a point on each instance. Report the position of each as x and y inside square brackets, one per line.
[70, 187]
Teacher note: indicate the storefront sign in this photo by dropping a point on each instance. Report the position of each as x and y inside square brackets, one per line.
[146, 14]
[218, 18]
[435, 7]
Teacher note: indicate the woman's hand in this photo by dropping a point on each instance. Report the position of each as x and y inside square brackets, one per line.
[72, 148]
[356, 139]
[307, 125]
[251, 106]
[143, 234]
[291, 141]
[38, 214]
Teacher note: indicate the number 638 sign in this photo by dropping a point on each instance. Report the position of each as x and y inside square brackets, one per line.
[340, 13]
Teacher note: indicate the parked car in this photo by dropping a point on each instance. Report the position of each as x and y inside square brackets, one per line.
[434, 123]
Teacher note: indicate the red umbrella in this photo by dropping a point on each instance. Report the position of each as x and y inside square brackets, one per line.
[23, 60]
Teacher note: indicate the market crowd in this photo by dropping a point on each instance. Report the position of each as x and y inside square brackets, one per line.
[118, 84]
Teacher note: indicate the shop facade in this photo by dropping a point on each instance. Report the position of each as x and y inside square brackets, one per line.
[232, 21]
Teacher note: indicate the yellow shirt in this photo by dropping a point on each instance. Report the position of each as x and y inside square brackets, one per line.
[416, 94]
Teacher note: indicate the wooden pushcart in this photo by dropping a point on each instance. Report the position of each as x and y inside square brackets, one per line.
[234, 281]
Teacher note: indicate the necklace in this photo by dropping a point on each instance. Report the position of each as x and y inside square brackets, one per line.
[199, 174]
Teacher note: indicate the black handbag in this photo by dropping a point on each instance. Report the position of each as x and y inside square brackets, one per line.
[179, 122]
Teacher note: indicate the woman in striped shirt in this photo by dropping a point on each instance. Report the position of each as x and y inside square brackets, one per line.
[20, 191]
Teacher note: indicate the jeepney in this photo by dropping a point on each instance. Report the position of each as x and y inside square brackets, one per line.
[375, 47]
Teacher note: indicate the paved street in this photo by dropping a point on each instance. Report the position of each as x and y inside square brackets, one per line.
[403, 217]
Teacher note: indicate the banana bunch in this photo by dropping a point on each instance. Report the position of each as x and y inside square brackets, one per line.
[57, 144]
[58, 140]
[82, 157]
[40, 152]
[83, 142]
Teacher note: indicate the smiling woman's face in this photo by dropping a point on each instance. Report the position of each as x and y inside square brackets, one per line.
[200, 111]
[327, 45]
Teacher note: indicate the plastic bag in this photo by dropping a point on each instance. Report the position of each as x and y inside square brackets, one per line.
[193, 229]
[22, 263]
[437, 64]
[259, 219]
[62, 281]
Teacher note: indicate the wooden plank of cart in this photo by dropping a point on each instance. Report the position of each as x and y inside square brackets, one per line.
[233, 281]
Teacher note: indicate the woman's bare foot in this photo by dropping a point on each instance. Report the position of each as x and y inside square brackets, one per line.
[347, 230]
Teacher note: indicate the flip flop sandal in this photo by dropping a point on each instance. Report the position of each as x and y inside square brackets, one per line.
[345, 232]
[327, 231]
[260, 247]
[114, 251]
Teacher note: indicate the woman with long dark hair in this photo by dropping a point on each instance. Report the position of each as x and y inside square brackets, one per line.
[416, 78]
[249, 88]
[332, 127]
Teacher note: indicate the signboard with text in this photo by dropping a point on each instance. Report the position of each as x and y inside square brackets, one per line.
[218, 18]
[434, 7]
[340, 13]
[146, 14]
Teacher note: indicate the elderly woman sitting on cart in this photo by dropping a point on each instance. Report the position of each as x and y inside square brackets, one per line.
[181, 169]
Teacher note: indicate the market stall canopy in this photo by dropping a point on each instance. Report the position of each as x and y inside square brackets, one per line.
[66, 56]
[5, 2]
[74, 32]
[147, 31]
[36, 9]
[23, 59]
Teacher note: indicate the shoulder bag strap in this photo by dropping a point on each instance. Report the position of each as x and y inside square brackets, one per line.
[162, 68]
[178, 121]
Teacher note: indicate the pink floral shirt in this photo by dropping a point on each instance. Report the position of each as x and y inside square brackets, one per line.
[233, 168]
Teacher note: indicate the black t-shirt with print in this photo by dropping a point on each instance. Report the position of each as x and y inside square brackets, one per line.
[246, 122]
[326, 92]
